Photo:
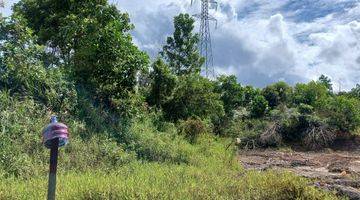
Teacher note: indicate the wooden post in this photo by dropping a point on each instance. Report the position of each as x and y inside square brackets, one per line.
[53, 168]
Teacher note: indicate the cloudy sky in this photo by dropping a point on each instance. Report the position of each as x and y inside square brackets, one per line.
[264, 41]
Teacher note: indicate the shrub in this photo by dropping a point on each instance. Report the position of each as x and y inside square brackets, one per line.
[24, 72]
[194, 97]
[258, 106]
[248, 131]
[271, 137]
[193, 128]
[22, 155]
[312, 93]
[305, 109]
[232, 94]
[344, 113]
[318, 136]
[276, 94]
[249, 94]
[21, 123]
[302, 126]
[94, 153]
[153, 145]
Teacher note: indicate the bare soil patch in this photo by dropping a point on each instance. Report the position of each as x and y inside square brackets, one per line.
[331, 170]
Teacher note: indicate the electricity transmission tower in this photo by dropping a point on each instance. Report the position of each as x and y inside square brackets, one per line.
[205, 45]
[2, 5]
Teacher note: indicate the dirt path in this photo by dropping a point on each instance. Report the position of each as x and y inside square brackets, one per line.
[334, 170]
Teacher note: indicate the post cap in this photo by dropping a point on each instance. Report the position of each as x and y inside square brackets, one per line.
[55, 130]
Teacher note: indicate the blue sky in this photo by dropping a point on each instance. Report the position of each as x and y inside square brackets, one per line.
[264, 41]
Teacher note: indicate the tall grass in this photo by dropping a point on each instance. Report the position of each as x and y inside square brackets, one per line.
[162, 181]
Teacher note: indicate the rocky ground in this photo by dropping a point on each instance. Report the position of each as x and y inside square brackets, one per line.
[331, 170]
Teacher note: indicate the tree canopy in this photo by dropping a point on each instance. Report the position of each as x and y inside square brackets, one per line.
[181, 49]
[92, 38]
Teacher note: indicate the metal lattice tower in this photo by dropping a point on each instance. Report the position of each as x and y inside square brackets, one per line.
[205, 45]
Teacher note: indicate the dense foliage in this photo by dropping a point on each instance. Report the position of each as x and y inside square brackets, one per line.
[152, 127]
[192, 97]
[162, 85]
[92, 39]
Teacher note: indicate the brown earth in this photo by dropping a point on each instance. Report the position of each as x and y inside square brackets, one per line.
[331, 170]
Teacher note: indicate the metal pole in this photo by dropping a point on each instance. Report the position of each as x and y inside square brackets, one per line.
[53, 168]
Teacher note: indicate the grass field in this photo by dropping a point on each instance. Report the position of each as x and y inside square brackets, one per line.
[160, 181]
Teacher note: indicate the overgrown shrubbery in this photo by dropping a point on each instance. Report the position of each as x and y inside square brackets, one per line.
[310, 114]
[343, 113]
[193, 128]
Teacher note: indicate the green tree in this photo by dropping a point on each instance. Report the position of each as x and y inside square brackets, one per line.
[355, 92]
[249, 94]
[326, 81]
[232, 94]
[163, 83]
[92, 38]
[258, 106]
[313, 93]
[23, 71]
[276, 94]
[194, 97]
[181, 51]
[344, 113]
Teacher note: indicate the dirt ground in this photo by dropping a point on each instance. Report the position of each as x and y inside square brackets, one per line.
[330, 169]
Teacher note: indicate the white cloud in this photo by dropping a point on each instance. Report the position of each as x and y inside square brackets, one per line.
[264, 41]
[6, 11]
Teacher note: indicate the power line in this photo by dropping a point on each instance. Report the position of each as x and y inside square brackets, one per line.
[205, 45]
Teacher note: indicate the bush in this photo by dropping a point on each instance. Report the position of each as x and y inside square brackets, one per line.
[313, 94]
[194, 97]
[193, 128]
[21, 123]
[276, 94]
[318, 136]
[94, 153]
[258, 106]
[22, 155]
[232, 94]
[24, 72]
[248, 131]
[305, 109]
[153, 145]
[271, 137]
[301, 126]
[344, 113]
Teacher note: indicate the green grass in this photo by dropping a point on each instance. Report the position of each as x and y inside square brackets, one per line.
[161, 181]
